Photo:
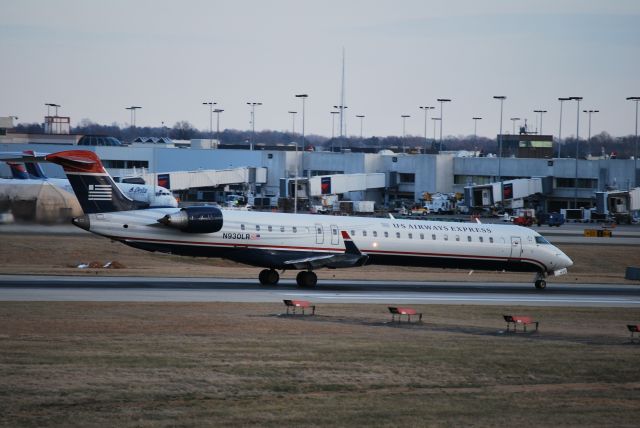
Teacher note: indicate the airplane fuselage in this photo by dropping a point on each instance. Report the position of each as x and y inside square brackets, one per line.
[272, 240]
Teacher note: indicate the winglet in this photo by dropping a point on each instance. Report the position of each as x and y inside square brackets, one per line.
[349, 246]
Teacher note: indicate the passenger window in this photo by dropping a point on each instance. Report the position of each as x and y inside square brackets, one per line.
[281, 228]
[457, 237]
[375, 234]
[294, 229]
[258, 227]
[334, 231]
[446, 237]
[397, 234]
[491, 239]
[242, 227]
[319, 231]
[433, 236]
[353, 233]
[410, 236]
[364, 233]
[386, 234]
[480, 239]
[270, 229]
[422, 236]
[469, 238]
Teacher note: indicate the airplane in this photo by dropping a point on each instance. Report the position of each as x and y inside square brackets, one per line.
[304, 242]
[158, 197]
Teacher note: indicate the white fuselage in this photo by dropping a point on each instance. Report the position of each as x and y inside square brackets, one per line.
[155, 197]
[384, 240]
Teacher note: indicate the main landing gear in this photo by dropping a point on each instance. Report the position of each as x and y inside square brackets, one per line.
[306, 279]
[269, 277]
[540, 283]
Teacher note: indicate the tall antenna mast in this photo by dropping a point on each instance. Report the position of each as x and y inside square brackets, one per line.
[342, 121]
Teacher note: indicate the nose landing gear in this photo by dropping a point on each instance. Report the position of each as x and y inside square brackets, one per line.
[540, 281]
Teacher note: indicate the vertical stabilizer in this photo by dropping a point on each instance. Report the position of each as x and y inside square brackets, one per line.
[18, 171]
[33, 168]
[95, 189]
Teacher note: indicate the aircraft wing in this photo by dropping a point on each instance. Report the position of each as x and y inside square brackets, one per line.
[350, 258]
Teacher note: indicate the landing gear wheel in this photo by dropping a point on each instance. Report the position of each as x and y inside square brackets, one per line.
[268, 277]
[306, 279]
[541, 284]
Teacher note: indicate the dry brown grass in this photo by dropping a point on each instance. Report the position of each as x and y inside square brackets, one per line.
[58, 255]
[160, 364]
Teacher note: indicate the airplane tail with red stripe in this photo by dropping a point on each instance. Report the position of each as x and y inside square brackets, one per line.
[18, 171]
[33, 168]
[95, 189]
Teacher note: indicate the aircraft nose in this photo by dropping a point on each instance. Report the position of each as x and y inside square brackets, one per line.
[566, 261]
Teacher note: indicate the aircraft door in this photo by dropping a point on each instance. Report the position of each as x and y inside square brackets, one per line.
[516, 247]
[319, 234]
[335, 235]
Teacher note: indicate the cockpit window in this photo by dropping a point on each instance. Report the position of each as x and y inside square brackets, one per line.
[541, 240]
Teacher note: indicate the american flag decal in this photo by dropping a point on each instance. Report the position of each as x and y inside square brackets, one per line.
[254, 236]
[99, 192]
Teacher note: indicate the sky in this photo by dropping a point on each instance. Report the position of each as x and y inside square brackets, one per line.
[95, 58]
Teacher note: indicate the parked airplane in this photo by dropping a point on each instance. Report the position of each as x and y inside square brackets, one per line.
[278, 241]
[154, 197]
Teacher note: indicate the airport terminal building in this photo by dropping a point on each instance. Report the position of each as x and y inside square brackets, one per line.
[208, 172]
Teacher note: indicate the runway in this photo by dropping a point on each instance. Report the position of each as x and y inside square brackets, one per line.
[149, 289]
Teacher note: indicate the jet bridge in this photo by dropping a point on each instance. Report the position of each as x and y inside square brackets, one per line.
[512, 193]
[183, 180]
[343, 183]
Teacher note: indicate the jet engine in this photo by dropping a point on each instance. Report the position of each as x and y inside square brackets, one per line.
[195, 220]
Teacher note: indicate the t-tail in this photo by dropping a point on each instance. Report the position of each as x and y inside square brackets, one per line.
[95, 189]
[33, 168]
[18, 171]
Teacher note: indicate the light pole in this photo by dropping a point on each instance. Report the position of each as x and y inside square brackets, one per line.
[49, 105]
[575, 192]
[253, 122]
[217, 112]
[589, 112]
[333, 126]
[341, 133]
[295, 192]
[210, 104]
[561, 99]
[541, 113]
[442, 101]
[361, 117]
[635, 151]
[501, 98]
[426, 114]
[404, 129]
[514, 120]
[293, 123]
[434, 129]
[475, 131]
[133, 114]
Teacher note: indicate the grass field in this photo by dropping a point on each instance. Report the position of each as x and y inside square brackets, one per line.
[170, 364]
